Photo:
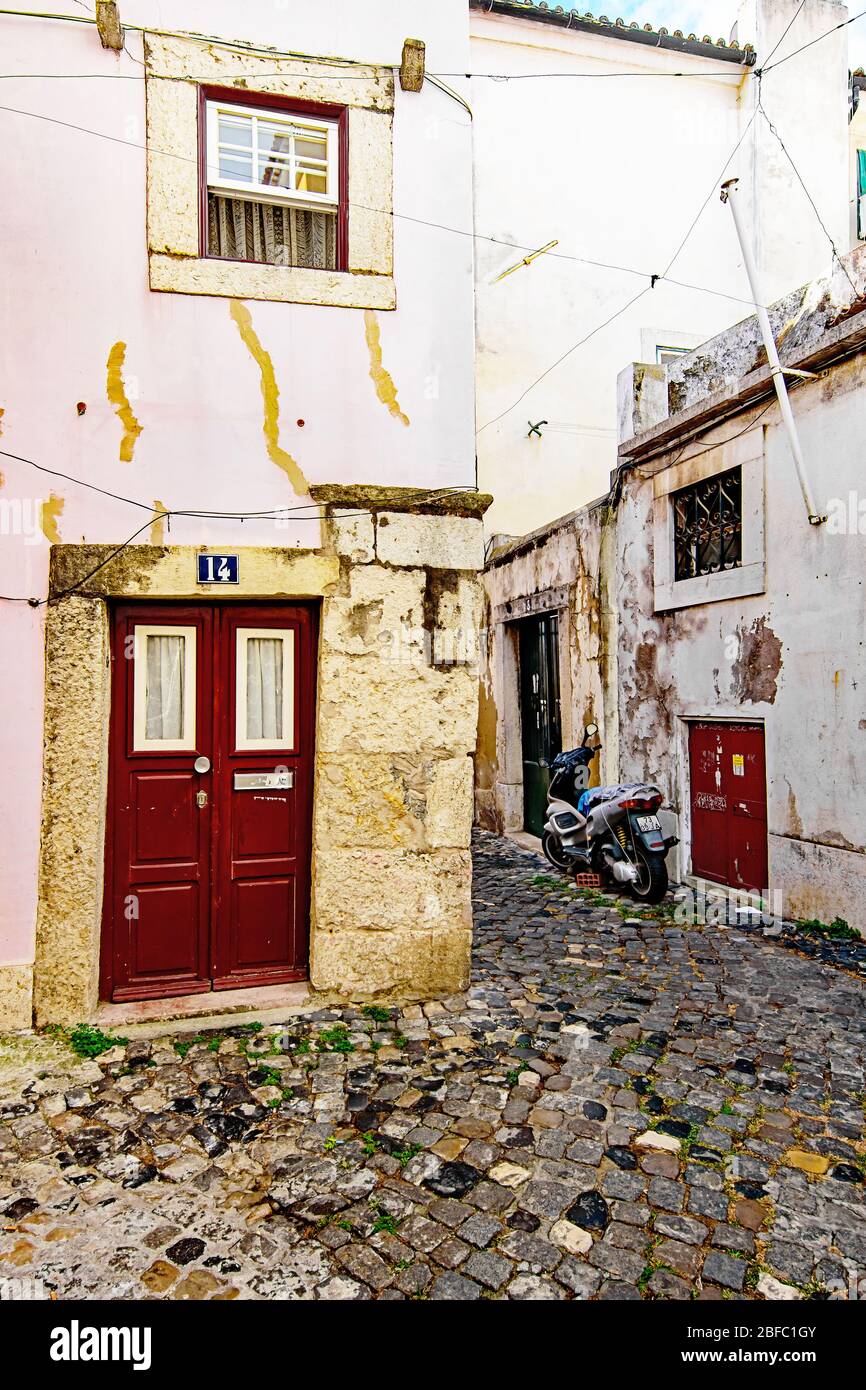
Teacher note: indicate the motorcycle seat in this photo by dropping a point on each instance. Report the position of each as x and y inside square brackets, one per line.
[594, 796]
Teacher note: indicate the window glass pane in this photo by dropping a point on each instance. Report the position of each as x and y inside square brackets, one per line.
[276, 174]
[274, 137]
[164, 692]
[236, 166]
[312, 147]
[264, 688]
[236, 132]
[311, 181]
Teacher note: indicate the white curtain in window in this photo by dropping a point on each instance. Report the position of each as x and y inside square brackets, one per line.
[265, 688]
[164, 687]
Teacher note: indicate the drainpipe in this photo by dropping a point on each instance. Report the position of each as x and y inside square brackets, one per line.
[729, 191]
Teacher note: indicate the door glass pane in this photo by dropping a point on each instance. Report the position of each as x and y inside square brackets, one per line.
[265, 688]
[164, 698]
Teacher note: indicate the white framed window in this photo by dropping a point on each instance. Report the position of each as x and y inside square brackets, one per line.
[665, 353]
[164, 688]
[708, 524]
[272, 156]
[264, 688]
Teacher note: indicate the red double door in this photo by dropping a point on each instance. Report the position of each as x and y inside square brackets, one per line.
[209, 798]
[729, 804]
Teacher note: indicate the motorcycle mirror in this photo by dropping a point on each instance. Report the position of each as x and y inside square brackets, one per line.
[589, 732]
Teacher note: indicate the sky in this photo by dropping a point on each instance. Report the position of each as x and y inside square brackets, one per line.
[714, 17]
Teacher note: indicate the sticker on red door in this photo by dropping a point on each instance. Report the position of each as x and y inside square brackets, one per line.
[728, 795]
[210, 796]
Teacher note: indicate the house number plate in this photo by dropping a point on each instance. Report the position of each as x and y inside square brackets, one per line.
[218, 569]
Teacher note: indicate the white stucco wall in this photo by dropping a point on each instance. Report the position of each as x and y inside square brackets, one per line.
[73, 225]
[616, 169]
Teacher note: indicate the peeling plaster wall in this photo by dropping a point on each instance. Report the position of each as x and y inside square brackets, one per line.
[185, 377]
[567, 569]
[793, 657]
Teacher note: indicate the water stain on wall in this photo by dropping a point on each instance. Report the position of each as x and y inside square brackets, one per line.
[157, 526]
[382, 380]
[270, 397]
[118, 397]
[49, 515]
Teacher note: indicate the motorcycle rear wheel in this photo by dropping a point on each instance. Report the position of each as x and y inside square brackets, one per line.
[553, 851]
[652, 883]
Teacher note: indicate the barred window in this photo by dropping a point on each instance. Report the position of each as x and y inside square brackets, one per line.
[273, 179]
[708, 525]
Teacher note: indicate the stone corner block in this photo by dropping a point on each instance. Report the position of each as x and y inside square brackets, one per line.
[360, 965]
[353, 535]
[436, 542]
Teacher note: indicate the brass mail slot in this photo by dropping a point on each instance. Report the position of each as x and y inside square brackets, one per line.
[263, 781]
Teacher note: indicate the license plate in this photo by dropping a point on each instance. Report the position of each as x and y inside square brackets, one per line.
[646, 823]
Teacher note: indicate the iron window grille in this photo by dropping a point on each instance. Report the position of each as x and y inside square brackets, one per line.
[708, 525]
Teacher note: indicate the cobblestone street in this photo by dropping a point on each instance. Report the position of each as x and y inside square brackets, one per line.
[617, 1108]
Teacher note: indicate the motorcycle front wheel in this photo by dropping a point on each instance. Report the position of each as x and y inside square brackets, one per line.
[651, 884]
[553, 852]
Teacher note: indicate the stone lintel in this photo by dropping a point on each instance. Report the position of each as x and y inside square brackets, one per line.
[425, 501]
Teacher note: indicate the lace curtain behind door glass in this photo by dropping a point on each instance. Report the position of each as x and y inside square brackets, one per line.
[265, 688]
[165, 693]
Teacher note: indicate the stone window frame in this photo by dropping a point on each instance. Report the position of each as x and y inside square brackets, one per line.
[177, 70]
[750, 576]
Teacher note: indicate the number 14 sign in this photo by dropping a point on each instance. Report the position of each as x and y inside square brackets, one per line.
[217, 569]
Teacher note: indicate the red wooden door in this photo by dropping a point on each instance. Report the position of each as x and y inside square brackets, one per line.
[209, 799]
[729, 804]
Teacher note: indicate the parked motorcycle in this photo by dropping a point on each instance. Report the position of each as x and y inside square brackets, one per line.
[610, 831]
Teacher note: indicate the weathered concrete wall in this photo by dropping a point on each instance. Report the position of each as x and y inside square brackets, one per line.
[564, 569]
[791, 657]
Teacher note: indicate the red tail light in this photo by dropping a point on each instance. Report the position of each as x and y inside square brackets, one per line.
[651, 803]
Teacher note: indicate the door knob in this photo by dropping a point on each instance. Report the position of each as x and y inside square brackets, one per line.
[202, 764]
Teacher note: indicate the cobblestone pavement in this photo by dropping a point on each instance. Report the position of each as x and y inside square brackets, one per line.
[617, 1108]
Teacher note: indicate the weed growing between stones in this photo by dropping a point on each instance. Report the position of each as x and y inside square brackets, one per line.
[86, 1040]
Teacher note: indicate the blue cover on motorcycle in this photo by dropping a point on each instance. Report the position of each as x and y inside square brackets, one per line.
[596, 795]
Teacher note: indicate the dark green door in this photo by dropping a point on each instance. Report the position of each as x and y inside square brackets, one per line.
[539, 713]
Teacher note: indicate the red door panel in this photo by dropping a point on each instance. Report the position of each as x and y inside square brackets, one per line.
[164, 812]
[264, 936]
[158, 861]
[729, 804]
[265, 797]
[207, 872]
[162, 943]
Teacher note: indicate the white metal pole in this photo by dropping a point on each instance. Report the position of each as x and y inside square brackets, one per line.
[729, 196]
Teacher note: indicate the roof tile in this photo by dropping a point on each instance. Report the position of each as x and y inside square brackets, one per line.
[619, 28]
